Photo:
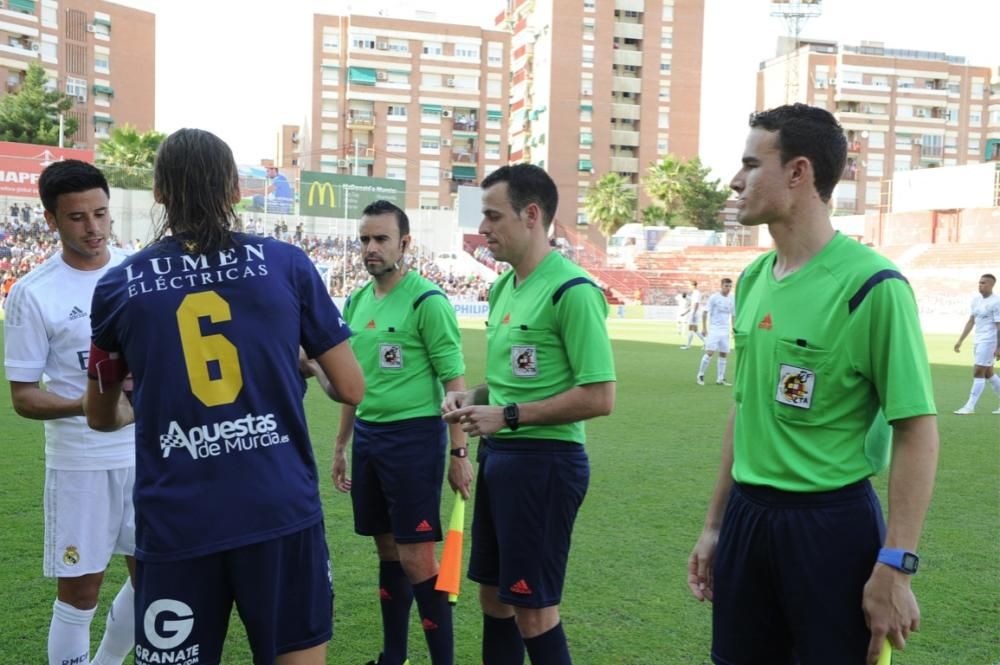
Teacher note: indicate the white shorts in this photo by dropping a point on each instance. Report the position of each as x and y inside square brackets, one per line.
[717, 341]
[983, 353]
[694, 318]
[88, 518]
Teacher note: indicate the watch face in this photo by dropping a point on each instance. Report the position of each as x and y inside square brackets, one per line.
[910, 562]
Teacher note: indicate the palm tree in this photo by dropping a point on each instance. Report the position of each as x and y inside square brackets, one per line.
[610, 202]
[663, 182]
[127, 156]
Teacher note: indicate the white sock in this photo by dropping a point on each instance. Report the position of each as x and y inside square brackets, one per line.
[721, 369]
[700, 336]
[705, 359]
[69, 635]
[995, 383]
[119, 632]
[977, 389]
[690, 337]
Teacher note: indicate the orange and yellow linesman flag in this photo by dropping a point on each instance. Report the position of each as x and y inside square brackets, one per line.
[450, 574]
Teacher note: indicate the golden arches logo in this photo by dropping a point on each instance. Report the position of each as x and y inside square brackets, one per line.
[325, 189]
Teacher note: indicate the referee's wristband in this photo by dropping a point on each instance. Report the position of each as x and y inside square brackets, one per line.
[901, 560]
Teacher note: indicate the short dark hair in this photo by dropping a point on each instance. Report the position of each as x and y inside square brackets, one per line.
[68, 177]
[993, 277]
[383, 207]
[196, 180]
[810, 132]
[527, 183]
[726, 280]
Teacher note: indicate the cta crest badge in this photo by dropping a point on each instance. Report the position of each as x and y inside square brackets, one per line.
[796, 386]
[390, 356]
[524, 360]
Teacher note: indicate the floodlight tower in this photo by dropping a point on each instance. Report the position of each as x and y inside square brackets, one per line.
[795, 14]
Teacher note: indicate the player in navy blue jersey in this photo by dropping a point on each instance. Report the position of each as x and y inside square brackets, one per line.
[210, 322]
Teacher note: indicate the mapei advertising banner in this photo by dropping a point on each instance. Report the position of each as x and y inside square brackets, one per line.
[345, 196]
[22, 163]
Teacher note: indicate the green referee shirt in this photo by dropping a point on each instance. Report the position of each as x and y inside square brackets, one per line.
[545, 336]
[407, 344]
[825, 358]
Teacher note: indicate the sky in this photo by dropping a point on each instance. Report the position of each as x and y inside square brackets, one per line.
[242, 68]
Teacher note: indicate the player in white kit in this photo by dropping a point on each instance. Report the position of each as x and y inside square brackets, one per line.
[88, 475]
[985, 319]
[694, 315]
[716, 325]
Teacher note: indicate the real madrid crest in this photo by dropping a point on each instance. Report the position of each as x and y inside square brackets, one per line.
[71, 556]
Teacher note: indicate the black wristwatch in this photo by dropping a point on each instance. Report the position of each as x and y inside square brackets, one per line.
[512, 417]
[460, 452]
[901, 560]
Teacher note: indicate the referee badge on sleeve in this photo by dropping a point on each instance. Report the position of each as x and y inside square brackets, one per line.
[524, 360]
[796, 386]
[390, 356]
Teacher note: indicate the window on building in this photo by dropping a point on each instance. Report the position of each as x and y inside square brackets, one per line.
[464, 82]
[102, 63]
[873, 194]
[667, 39]
[588, 54]
[662, 145]
[330, 75]
[429, 175]
[429, 202]
[668, 11]
[875, 166]
[395, 142]
[395, 172]
[876, 139]
[467, 51]
[50, 51]
[494, 88]
[951, 141]
[665, 93]
[586, 112]
[977, 89]
[954, 86]
[433, 48]
[331, 39]
[904, 141]
[494, 54]
[589, 25]
[430, 80]
[974, 142]
[904, 82]
[399, 45]
[664, 120]
[329, 141]
[492, 150]
[76, 87]
[975, 117]
[904, 111]
[50, 16]
[586, 139]
[430, 145]
[588, 5]
[363, 42]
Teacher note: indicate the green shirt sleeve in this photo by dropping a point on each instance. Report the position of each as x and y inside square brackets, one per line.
[439, 332]
[581, 313]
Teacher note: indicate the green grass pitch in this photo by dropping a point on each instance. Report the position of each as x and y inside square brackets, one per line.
[626, 601]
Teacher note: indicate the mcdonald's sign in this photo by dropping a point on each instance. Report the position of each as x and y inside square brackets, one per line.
[345, 196]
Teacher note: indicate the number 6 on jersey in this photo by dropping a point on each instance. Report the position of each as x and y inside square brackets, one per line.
[202, 350]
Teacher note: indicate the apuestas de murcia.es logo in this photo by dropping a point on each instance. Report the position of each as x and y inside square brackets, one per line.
[247, 433]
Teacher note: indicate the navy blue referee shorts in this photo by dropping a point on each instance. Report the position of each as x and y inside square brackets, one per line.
[282, 588]
[790, 569]
[396, 474]
[527, 495]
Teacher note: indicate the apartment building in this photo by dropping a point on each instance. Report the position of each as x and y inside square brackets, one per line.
[901, 110]
[101, 53]
[414, 100]
[602, 86]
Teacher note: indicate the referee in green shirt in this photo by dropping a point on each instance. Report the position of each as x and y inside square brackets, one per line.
[831, 376]
[407, 342]
[549, 367]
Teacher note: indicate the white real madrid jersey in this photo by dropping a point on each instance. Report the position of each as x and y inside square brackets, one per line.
[986, 312]
[47, 339]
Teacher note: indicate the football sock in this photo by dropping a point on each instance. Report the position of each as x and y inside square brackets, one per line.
[977, 390]
[435, 617]
[690, 337]
[69, 634]
[721, 367]
[549, 648]
[502, 643]
[119, 631]
[700, 336]
[704, 365]
[397, 596]
[995, 383]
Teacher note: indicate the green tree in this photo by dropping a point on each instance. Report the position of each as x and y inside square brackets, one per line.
[31, 115]
[127, 157]
[610, 202]
[683, 194]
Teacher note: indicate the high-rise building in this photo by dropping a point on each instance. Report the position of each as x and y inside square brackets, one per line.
[901, 110]
[412, 100]
[602, 86]
[101, 53]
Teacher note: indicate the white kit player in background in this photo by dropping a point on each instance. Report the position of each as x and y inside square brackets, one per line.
[694, 315]
[88, 475]
[717, 325]
[985, 318]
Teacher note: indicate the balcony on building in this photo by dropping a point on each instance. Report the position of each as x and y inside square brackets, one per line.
[627, 30]
[850, 170]
[360, 119]
[624, 137]
[625, 164]
[465, 120]
[626, 84]
[360, 154]
[464, 151]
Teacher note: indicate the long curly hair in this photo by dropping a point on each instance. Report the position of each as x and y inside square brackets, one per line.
[196, 180]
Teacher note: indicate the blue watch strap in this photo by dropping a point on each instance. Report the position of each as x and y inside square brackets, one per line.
[899, 559]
